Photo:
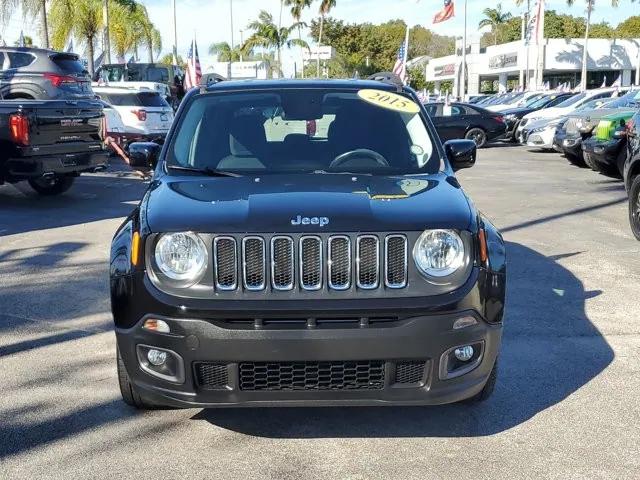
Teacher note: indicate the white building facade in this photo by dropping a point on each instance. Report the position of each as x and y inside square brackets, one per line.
[559, 61]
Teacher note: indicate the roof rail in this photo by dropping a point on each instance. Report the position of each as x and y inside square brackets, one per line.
[389, 78]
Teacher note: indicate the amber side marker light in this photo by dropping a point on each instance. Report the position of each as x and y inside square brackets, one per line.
[482, 240]
[156, 325]
[135, 248]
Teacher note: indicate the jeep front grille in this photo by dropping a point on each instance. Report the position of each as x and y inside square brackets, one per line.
[226, 263]
[310, 262]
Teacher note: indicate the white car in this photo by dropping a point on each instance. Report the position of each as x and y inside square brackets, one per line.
[114, 126]
[564, 108]
[540, 133]
[146, 115]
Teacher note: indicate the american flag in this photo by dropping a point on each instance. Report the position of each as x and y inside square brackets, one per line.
[194, 72]
[400, 68]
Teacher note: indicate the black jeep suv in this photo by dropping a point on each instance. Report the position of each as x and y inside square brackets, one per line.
[306, 243]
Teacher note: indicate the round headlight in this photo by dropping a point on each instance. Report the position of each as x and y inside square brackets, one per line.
[439, 253]
[181, 256]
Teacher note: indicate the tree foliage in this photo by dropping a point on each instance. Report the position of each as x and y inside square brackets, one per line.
[365, 48]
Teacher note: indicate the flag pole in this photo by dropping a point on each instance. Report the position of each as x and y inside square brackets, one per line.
[463, 81]
[406, 52]
[175, 33]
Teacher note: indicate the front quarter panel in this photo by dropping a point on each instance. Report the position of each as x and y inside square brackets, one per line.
[495, 284]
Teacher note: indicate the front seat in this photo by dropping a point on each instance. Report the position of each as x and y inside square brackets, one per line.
[247, 144]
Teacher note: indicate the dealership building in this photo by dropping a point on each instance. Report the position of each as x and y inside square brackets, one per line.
[559, 60]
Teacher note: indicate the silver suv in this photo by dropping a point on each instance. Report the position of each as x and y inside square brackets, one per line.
[33, 73]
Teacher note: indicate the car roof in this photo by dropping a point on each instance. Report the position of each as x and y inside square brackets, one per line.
[42, 51]
[299, 83]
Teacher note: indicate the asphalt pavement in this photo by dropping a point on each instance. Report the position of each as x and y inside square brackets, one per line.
[566, 404]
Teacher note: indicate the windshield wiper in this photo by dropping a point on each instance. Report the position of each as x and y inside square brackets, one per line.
[209, 172]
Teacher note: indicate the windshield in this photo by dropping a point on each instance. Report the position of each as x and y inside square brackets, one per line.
[140, 99]
[572, 100]
[537, 101]
[304, 131]
[628, 100]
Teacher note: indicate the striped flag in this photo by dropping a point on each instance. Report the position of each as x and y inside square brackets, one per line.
[400, 68]
[194, 72]
[448, 11]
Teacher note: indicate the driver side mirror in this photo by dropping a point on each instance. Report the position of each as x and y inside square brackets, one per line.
[144, 154]
[461, 153]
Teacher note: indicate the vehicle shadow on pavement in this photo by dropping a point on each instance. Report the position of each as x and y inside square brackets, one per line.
[550, 350]
[92, 198]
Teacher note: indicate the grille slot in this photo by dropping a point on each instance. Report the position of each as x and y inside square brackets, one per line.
[311, 263]
[253, 263]
[339, 253]
[410, 372]
[368, 262]
[282, 263]
[279, 376]
[225, 263]
[396, 261]
[212, 376]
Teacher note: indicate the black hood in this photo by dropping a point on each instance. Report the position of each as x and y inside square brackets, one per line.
[301, 203]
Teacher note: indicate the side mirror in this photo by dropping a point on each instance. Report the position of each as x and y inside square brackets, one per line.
[461, 153]
[144, 154]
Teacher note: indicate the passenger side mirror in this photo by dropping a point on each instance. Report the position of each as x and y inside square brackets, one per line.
[144, 154]
[461, 153]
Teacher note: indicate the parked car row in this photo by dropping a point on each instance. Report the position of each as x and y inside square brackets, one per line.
[54, 125]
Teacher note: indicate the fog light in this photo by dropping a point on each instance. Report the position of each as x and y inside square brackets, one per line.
[464, 354]
[158, 357]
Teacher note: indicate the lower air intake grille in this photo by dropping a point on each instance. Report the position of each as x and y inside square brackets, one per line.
[353, 375]
[212, 376]
[410, 372]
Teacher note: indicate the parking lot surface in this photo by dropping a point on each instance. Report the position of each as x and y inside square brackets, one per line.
[566, 404]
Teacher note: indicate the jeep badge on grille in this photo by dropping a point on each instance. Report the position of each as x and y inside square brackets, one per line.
[300, 220]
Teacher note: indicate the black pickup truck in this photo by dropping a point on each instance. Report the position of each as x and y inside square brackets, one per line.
[50, 142]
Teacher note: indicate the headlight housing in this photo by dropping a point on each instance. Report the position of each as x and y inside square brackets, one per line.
[181, 257]
[439, 253]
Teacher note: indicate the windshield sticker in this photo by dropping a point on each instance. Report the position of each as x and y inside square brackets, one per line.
[389, 100]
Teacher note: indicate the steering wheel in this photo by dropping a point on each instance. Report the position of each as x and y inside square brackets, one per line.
[359, 153]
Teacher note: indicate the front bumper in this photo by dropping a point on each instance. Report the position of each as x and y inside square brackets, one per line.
[602, 152]
[234, 339]
[541, 138]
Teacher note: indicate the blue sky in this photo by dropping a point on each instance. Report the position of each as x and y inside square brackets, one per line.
[210, 19]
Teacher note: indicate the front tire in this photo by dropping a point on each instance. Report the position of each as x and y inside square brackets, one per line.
[130, 394]
[478, 135]
[52, 186]
[576, 160]
[634, 207]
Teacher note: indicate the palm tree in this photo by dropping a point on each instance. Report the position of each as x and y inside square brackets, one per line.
[297, 7]
[81, 19]
[30, 8]
[495, 18]
[227, 54]
[268, 35]
[325, 8]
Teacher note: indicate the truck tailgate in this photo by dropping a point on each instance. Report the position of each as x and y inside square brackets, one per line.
[62, 122]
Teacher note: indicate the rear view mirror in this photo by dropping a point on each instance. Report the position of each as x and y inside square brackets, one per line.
[144, 154]
[461, 153]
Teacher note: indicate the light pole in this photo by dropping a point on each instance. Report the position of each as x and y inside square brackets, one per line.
[585, 54]
[463, 80]
[175, 33]
[106, 45]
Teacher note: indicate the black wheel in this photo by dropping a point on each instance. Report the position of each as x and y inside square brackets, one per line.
[588, 160]
[478, 135]
[488, 388]
[128, 391]
[607, 169]
[577, 160]
[52, 185]
[621, 160]
[634, 206]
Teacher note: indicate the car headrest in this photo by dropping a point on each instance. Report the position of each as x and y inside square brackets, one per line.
[247, 136]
